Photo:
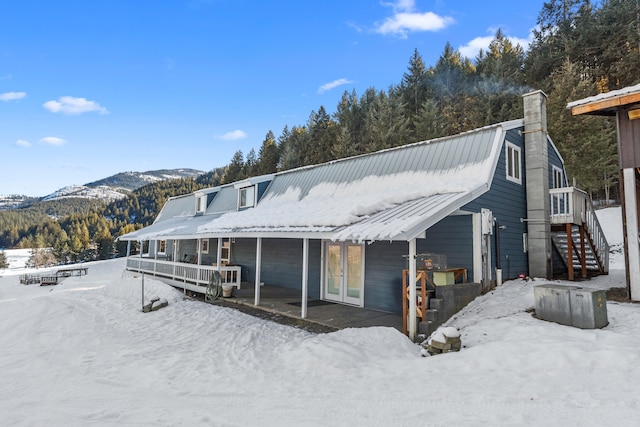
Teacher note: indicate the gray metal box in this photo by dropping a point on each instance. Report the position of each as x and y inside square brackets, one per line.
[553, 303]
[588, 308]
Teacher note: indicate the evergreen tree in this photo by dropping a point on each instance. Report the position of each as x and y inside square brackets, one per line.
[4, 263]
[235, 170]
[268, 156]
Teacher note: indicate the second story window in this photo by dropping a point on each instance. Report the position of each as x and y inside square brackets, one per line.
[513, 163]
[247, 196]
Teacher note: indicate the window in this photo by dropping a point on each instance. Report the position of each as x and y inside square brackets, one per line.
[558, 181]
[162, 247]
[513, 163]
[204, 247]
[225, 253]
[201, 204]
[247, 197]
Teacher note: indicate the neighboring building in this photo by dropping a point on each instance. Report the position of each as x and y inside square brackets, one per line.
[344, 231]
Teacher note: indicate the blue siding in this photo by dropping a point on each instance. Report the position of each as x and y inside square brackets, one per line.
[281, 262]
[453, 237]
[384, 263]
[507, 200]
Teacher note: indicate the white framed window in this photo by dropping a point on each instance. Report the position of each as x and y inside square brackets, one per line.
[204, 246]
[201, 204]
[225, 253]
[558, 177]
[247, 197]
[513, 157]
[162, 247]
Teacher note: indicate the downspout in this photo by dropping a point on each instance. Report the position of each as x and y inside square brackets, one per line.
[496, 227]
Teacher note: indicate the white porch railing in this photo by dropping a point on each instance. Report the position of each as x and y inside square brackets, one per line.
[198, 275]
[570, 205]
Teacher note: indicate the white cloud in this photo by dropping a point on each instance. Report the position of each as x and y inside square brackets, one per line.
[11, 96]
[53, 140]
[334, 84]
[233, 135]
[406, 19]
[23, 143]
[71, 105]
[471, 49]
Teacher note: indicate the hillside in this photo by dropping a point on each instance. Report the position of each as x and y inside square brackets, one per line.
[135, 180]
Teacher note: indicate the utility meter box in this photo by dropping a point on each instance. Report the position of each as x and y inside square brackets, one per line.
[588, 308]
[553, 303]
[571, 306]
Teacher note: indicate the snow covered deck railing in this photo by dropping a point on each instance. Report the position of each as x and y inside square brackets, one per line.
[570, 205]
[198, 275]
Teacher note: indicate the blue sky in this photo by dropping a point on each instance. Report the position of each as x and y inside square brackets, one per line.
[92, 88]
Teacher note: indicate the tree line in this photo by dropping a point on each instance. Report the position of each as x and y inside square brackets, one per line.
[579, 49]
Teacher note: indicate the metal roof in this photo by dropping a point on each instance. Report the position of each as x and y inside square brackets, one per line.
[394, 194]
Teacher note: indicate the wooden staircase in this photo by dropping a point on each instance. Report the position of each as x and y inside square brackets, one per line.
[577, 234]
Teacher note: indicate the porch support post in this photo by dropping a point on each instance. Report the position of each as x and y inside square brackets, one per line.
[174, 258]
[219, 254]
[412, 290]
[477, 247]
[631, 221]
[128, 248]
[305, 276]
[258, 265]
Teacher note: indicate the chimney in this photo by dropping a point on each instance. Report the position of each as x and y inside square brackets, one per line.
[536, 160]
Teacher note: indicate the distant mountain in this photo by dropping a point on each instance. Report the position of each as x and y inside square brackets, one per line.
[107, 189]
[135, 180]
[14, 201]
[101, 192]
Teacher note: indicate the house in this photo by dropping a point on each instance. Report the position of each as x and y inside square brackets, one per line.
[458, 214]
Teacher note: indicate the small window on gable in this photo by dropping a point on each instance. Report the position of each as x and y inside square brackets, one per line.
[246, 197]
[513, 163]
[558, 175]
[201, 204]
[162, 247]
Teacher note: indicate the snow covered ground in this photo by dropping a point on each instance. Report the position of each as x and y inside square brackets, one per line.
[82, 353]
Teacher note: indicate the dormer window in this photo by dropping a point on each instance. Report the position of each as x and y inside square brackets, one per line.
[247, 197]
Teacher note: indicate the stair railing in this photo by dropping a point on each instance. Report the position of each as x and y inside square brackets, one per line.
[570, 205]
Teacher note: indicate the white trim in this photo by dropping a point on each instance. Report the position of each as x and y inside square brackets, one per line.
[556, 170]
[631, 216]
[509, 160]
[477, 247]
[258, 267]
[413, 292]
[248, 203]
[305, 278]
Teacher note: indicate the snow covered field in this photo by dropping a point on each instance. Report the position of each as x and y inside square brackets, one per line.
[82, 353]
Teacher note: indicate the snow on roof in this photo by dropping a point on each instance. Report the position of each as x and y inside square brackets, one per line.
[607, 95]
[393, 194]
